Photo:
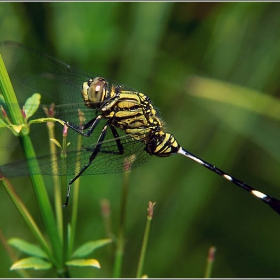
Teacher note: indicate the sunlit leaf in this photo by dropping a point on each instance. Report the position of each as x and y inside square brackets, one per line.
[27, 247]
[89, 247]
[17, 128]
[31, 105]
[55, 142]
[32, 262]
[84, 262]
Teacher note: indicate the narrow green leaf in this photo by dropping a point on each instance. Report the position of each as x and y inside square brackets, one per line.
[2, 100]
[32, 104]
[55, 142]
[32, 262]
[2, 123]
[27, 218]
[246, 98]
[44, 120]
[9, 95]
[27, 247]
[89, 247]
[84, 262]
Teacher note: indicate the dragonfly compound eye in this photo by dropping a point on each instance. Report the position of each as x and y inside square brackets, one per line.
[94, 92]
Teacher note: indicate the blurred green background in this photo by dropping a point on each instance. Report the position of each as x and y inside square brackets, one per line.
[155, 48]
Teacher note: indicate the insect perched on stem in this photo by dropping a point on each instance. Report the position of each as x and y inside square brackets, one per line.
[120, 121]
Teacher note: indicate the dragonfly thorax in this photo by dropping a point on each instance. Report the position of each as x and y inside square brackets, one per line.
[95, 91]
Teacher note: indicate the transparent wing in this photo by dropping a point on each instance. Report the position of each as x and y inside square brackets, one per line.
[108, 160]
[33, 71]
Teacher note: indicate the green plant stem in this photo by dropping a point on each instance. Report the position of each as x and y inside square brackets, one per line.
[27, 217]
[64, 187]
[37, 180]
[143, 250]
[106, 214]
[210, 261]
[75, 199]
[145, 241]
[120, 240]
[56, 181]
[44, 204]
[57, 197]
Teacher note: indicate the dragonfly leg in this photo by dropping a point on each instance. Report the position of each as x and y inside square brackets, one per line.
[91, 158]
[117, 138]
[91, 125]
[118, 142]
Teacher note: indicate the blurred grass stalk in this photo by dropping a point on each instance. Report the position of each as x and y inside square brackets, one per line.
[245, 98]
[76, 190]
[210, 261]
[56, 181]
[150, 209]
[106, 214]
[120, 239]
[55, 254]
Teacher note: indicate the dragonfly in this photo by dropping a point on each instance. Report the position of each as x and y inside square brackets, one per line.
[121, 124]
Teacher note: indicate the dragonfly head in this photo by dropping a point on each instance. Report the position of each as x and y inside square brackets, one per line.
[95, 91]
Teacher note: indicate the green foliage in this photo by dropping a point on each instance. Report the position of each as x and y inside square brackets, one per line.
[32, 262]
[84, 262]
[31, 105]
[88, 247]
[27, 247]
[38, 262]
[233, 50]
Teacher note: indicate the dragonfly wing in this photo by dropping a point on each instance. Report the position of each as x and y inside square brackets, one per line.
[32, 71]
[108, 160]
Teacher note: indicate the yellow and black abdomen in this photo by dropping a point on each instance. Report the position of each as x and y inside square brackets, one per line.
[163, 145]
